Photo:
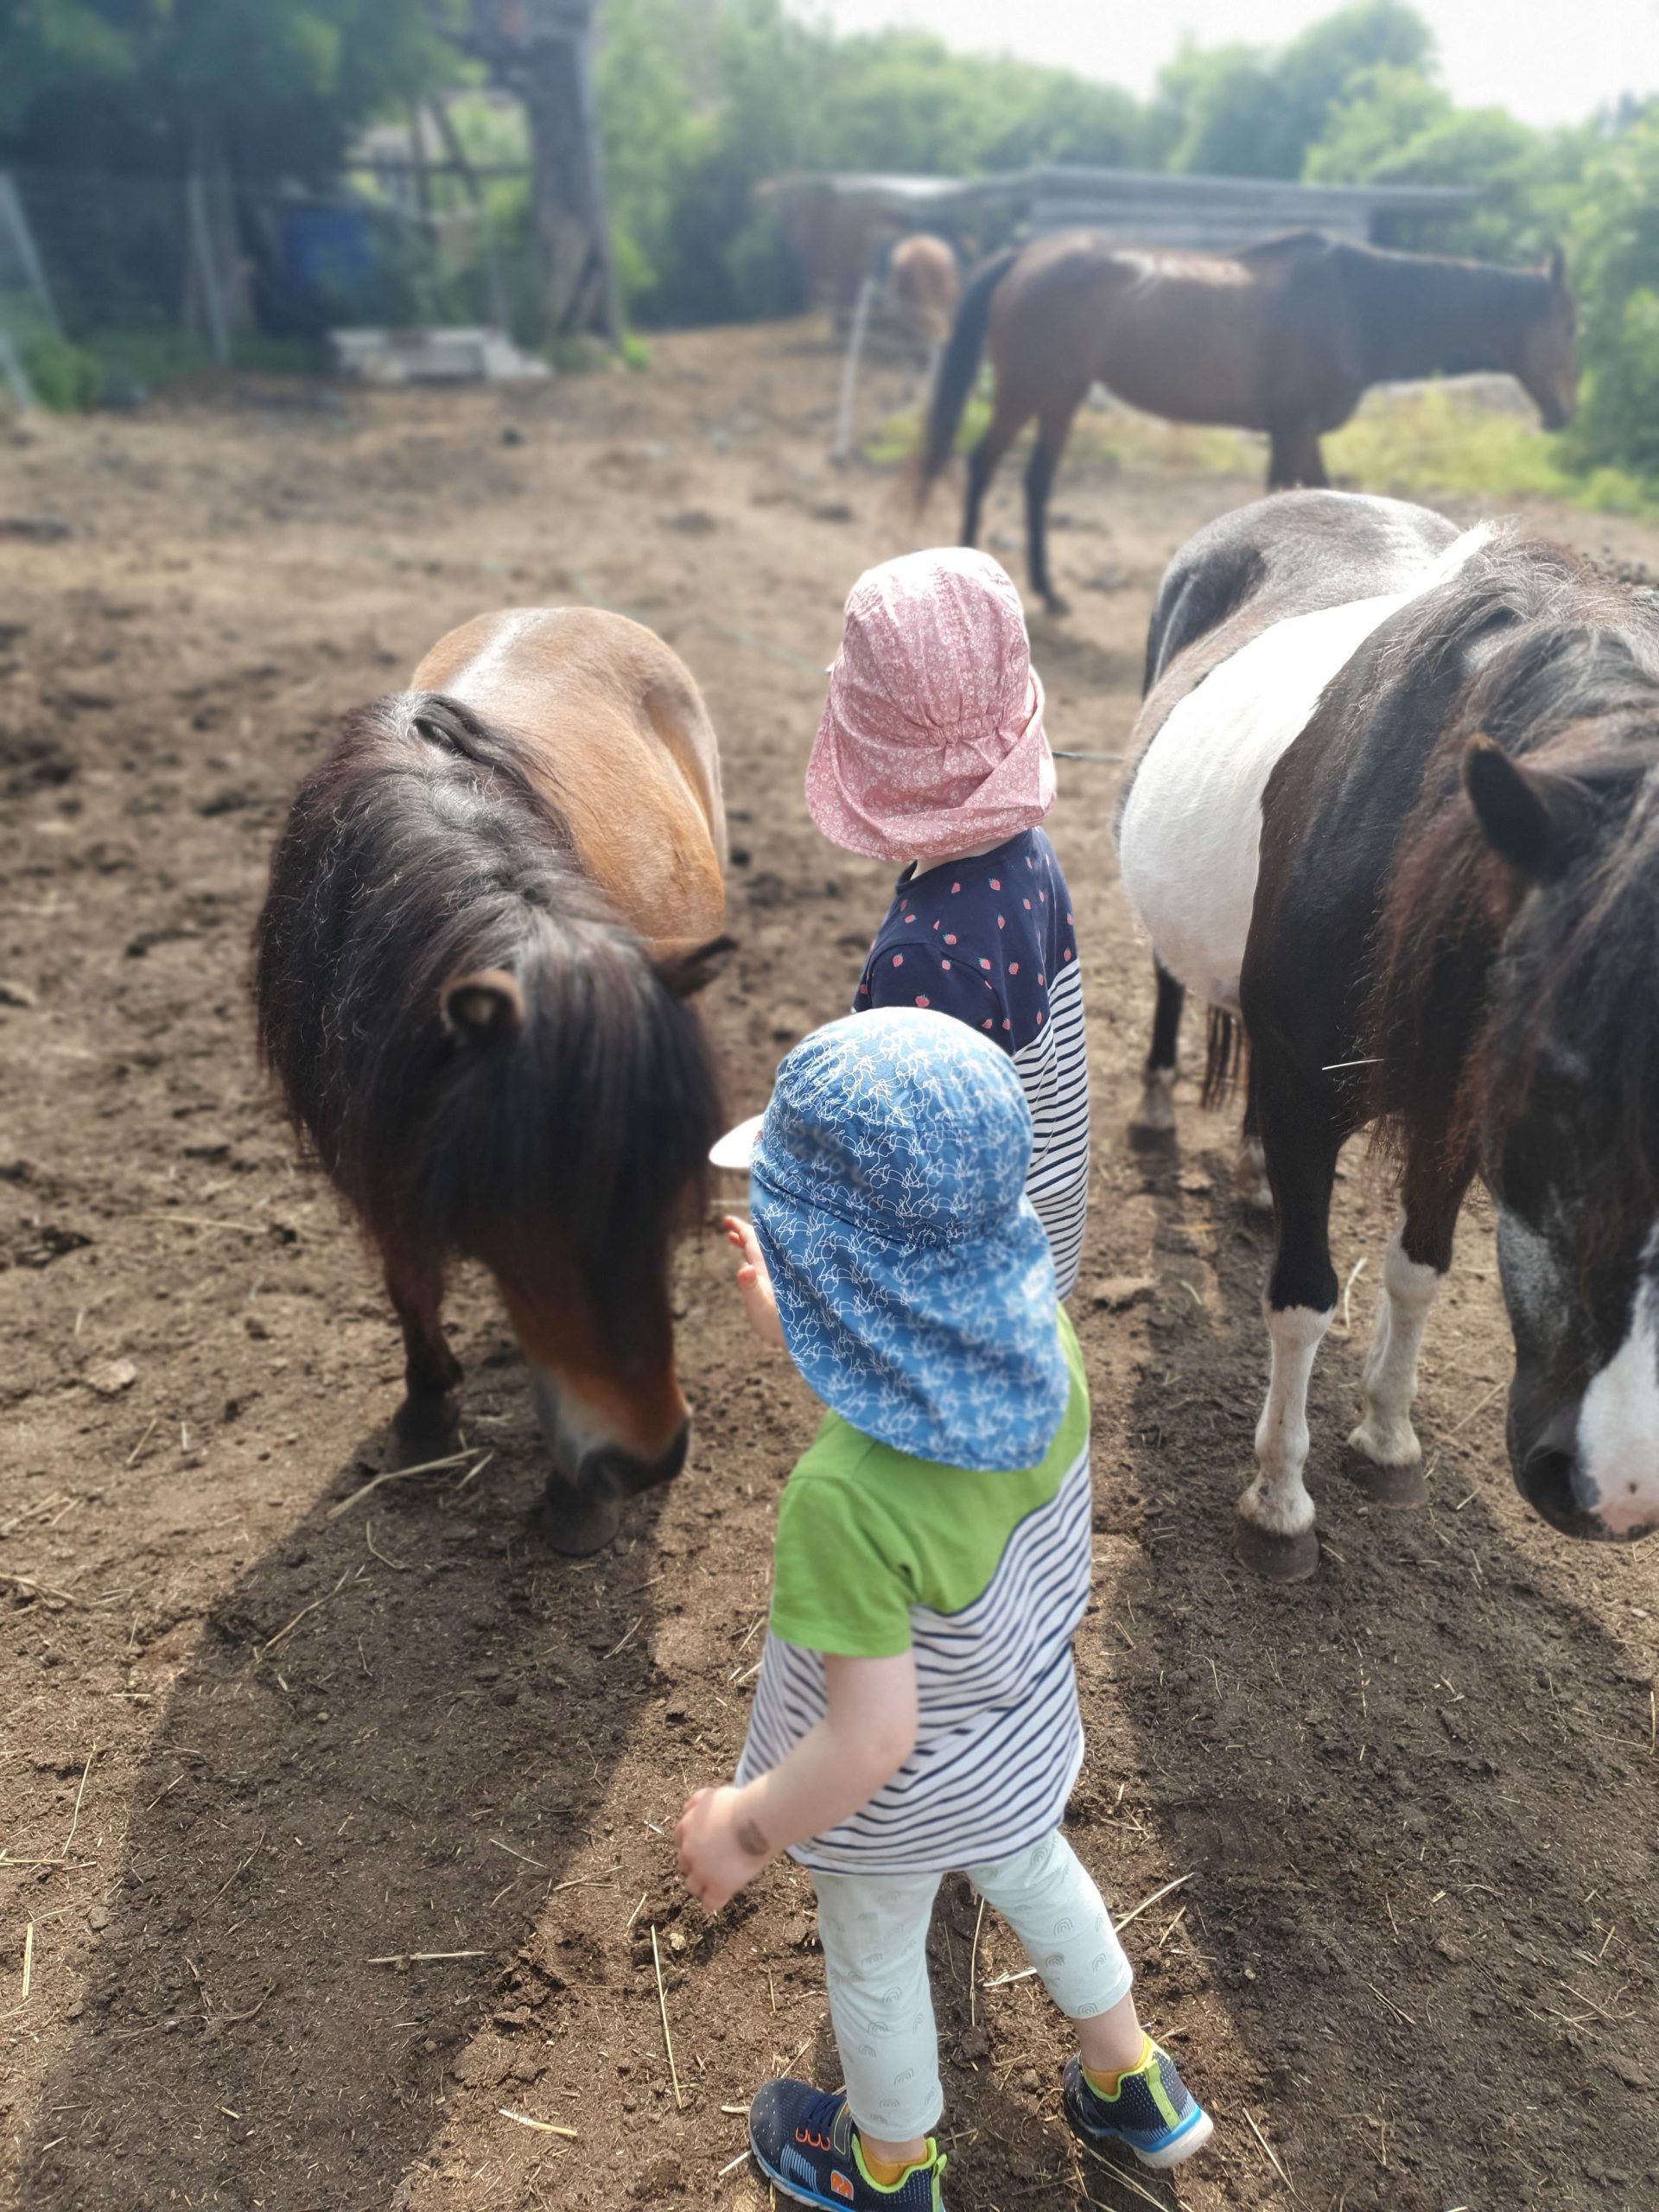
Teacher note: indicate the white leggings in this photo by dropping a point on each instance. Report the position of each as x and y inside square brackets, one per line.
[873, 1931]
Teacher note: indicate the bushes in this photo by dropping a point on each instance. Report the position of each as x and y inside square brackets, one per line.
[1615, 263]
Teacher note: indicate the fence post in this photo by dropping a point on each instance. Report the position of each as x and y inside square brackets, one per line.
[843, 446]
[13, 218]
[201, 246]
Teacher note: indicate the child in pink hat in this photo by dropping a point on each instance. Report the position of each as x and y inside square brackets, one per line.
[931, 752]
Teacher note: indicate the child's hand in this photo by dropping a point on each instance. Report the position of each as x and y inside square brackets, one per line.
[719, 1846]
[754, 1283]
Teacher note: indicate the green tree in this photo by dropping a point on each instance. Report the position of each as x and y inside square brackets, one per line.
[280, 85]
[1242, 110]
[1615, 263]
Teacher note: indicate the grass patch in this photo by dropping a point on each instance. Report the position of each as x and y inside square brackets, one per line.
[1418, 441]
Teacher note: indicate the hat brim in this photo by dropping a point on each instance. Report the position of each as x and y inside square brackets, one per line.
[736, 1150]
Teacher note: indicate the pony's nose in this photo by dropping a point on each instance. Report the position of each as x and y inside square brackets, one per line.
[582, 1513]
[1551, 1479]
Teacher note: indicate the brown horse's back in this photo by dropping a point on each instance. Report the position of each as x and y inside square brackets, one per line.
[628, 751]
[1193, 337]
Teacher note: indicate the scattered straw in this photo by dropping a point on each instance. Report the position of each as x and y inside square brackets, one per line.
[420, 1958]
[28, 1960]
[732, 2164]
[262, 1648]
[154, 1421]
[627, 1639]
[1147, 1903]
[542, 2127]
[973, 1967]
[1348, 1298]
[1273, 2156]
[1123, 2179]
[638, 1910]
[1479, 1407]
[511, 1853]
[662, 2004]
[397, 1475]
[397, 1566]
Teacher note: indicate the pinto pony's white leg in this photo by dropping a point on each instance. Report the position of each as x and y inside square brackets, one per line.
[1276, 1505]
[1385, 1433]
[1156, 1113]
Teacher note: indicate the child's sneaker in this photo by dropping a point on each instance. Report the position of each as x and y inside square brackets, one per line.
[806, 2143]
[1154, 2113]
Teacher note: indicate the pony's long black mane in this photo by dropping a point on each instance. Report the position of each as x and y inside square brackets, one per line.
[422, 849]
[1474, 970]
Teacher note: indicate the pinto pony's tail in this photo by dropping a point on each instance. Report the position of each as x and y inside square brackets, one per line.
[1225, 1060]
[958, 366]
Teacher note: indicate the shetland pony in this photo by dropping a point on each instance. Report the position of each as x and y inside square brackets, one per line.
[1394, 804]
[1284, 337]
[489, 908]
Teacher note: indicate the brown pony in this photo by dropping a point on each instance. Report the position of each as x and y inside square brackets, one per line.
[924, 290]
[487, 911]
[1284, 337]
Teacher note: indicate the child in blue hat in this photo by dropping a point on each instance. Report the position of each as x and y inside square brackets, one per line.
[917, 1709]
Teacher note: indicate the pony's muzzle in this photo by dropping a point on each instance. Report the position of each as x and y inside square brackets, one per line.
[581, 1512]
[1551, 1479]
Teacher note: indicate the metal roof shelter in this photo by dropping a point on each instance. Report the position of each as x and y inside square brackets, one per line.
[838, 223]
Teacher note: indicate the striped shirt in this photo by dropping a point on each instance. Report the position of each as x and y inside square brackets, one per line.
[985, 1579]
[992, 941]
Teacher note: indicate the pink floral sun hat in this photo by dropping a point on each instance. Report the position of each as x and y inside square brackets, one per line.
[931, 740]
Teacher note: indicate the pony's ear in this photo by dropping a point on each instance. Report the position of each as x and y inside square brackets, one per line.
[480, 1007]
[691, 966]
[1529, 815]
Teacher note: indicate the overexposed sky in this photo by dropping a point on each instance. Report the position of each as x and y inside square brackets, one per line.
[1547, 60]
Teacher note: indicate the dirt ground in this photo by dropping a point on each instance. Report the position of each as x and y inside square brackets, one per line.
[256, 1755]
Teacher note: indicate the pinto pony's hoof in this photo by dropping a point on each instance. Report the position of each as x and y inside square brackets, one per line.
[1151, 1136]
[1400, 1488]
[1276, 1559]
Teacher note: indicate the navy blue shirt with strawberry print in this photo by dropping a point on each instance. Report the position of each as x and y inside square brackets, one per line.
[992, 941]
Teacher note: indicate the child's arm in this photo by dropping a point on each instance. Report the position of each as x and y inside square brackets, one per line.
[726, 1836]
[754, 1283]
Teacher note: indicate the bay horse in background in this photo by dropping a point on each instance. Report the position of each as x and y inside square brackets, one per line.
[1284, 337]
[1393, 801]
[489, 910]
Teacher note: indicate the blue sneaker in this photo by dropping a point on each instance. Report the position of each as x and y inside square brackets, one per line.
[1154, 2113]
[806, 2144]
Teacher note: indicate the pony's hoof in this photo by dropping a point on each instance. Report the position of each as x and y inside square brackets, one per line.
[423, 1432]
[1276, 1559]
[1151, 1136]
[1400, 1488]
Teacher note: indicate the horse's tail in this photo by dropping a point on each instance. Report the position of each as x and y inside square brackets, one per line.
[1226, 1054]
[958, 366]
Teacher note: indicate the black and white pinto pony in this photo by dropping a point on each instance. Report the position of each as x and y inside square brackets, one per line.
[1393, 805]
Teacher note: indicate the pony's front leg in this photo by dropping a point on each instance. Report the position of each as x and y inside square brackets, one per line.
[1388, 1463]
[427, 1425]
[1275, 1533]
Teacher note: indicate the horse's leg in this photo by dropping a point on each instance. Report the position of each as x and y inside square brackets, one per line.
[1153, 1125]
[1389, 1457]
[1293, 457]
[427, 1425]
[1250, 1171]
[1275, 1514]
[1005, 427]
[1053, 428]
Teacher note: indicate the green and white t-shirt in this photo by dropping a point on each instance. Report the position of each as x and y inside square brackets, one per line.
[984, 1577]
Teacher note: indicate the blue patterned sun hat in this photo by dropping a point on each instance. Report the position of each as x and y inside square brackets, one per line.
[913, 1279]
